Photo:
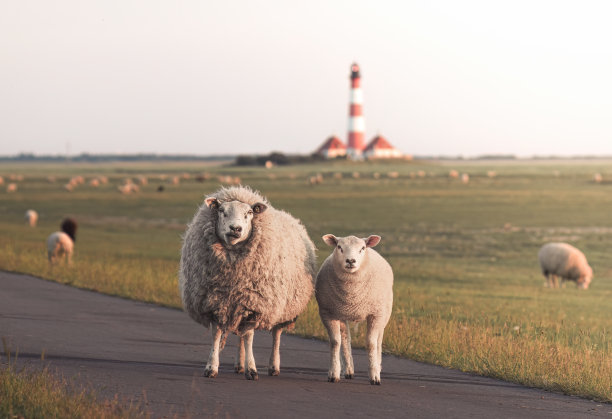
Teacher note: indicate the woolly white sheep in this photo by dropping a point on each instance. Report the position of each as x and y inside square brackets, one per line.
[564, 261]
[245, 266]
[31, 217]
[354, 284]
[61, 243]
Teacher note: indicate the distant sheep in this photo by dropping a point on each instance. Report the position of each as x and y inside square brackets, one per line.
[61, 243]
[315, 180]
[566, 262]
[11, 187]
[491, 174]
[597, 178]
[453, 174]
[245, 266]
[465, 178]
[1, 180]
[354, 284]
[31, 217]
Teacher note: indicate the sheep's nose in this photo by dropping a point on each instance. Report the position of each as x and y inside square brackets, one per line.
[351, 261]
[236, 229]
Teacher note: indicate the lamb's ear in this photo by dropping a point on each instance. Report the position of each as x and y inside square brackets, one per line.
[258, 208]
[212, 203]
[330, 240]
[372, 240]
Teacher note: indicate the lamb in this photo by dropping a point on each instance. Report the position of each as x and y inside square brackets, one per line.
[245, 266]
[31, 217]
[61, 243]
[564, 261]
[354, 284]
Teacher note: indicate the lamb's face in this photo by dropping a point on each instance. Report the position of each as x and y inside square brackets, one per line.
[349, 252]
[234, 219]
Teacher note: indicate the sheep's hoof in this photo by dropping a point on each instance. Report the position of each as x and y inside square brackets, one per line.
[239, 369]
[348, 376]
[333, 379]
[210, 373]
[273, 372]
[375, 381]
[251, 375]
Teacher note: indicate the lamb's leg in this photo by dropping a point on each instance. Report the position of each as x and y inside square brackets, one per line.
[212, 366]
[333, 330]
[372, 336]
[274, 365]
[379, 350]
[239, 364]
[347, 357]
[250, 371]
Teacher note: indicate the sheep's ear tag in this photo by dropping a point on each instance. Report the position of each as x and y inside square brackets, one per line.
[212, 203]
[258, 208]
[330, 240]
[372, 241]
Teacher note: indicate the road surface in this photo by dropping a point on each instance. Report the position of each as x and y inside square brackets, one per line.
[155, 356]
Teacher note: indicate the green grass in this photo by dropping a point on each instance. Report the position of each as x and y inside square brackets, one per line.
[37, 393]
[468, 291]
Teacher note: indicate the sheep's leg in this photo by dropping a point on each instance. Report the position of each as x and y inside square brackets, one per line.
[347, 357]
[372, 336]
[379, 350]
[239, 364]
[555, 281]
[333, 329]
[212, 366]
[274, 365]
[250, 371]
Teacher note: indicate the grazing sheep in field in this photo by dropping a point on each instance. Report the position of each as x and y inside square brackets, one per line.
[1, 180]
[94, 182]
[245, 266]
[61, 243]
[11, 187]
[491, 174]
[597, 178]
[453, 174]
[421, 173]
[31, 217]
[128, 188]
[315, 180]
[465, 178]
[565, 261]
[354, 284]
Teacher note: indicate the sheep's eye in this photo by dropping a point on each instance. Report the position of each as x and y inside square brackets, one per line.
[362, 249]
[339, 248]
[250, 212]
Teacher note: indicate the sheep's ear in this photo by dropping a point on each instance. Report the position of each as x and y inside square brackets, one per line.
[372, 241]
[330, 240]
[212, 203]
[258, 208]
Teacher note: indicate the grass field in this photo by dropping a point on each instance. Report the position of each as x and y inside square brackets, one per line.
[468, 291]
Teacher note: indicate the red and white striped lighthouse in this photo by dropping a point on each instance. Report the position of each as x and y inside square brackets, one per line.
[356, 126]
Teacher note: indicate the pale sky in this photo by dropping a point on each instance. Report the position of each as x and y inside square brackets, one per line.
[233, 77]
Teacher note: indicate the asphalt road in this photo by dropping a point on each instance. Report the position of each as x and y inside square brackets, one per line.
[155, 356]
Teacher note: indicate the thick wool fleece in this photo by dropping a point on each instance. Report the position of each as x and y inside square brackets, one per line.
[265, 281]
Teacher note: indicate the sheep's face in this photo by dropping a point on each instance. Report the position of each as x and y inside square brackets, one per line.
[584, 281]
[349, 252]
[234, 219]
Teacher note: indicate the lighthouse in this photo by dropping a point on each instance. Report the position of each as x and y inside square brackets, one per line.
[356, 125]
